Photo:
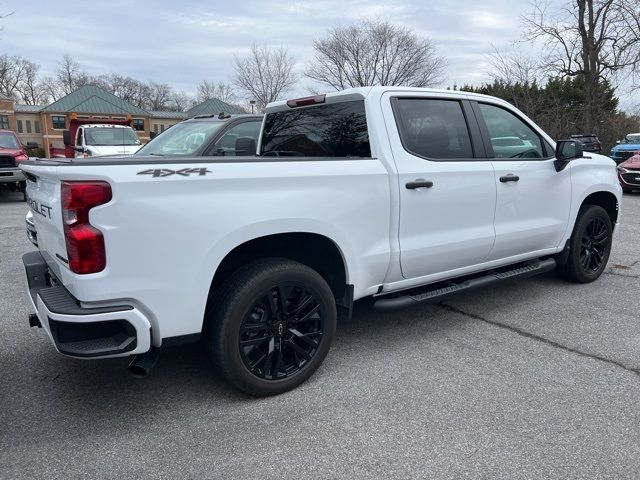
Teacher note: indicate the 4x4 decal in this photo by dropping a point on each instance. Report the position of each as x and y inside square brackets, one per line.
[166, 172]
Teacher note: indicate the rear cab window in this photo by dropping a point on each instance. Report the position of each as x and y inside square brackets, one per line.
[326, 130]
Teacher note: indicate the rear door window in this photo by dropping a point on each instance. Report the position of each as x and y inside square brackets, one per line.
[433, 128]
[328, 130]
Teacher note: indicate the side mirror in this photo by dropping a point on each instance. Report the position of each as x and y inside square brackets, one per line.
[152, 135]
[567, 150]
[66, 138]
[617, 142]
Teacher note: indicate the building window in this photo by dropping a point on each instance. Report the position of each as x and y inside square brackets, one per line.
[28, 125]
[36, 126]
[59, 122]
[138, 124]
[4, 122]
[19, 126]
[161, 127]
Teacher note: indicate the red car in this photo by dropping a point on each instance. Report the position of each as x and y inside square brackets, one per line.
[629, 173]
[12, 152]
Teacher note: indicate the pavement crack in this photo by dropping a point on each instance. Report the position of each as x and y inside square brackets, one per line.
[538, 338]
[616, 274]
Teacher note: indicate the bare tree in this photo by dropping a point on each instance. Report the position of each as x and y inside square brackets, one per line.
[221, 90]
[31, 90]
[158, 96]
[19, 80]
[180, 101]
[264, 74]
[598, 39]
[375, 52]
[50, 88]
[12, 71]
[514, 67]
[127, 88]
[70, 75]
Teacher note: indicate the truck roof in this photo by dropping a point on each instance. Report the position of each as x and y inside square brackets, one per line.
[360, 93]
[102, 125]
[226, 118]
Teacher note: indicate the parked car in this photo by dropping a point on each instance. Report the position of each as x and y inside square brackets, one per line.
[590, 142]
[12, 153]
[390, 192]
[205, 136]
[626, 147]
[629, 173]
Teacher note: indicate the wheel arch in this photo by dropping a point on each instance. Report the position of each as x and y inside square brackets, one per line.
[606, 200]
[315, 250]
[312, 249]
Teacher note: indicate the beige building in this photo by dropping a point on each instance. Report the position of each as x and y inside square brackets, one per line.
[43, 124]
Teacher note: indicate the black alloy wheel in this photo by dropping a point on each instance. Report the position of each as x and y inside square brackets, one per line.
[270, 325]
[589, 245]
[281, 332]
[593, 245]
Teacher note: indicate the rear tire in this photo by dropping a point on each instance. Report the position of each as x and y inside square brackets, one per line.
[590, 245]
[271, 326]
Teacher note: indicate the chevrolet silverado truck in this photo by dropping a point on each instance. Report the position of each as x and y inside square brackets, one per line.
[406, 195]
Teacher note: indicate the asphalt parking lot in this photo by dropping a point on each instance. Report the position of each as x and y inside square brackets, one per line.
[537, 378]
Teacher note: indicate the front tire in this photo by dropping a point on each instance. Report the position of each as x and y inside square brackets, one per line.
[590, 245]
[272, 326]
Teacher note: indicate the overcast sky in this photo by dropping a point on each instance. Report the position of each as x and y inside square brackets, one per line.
[182, 42]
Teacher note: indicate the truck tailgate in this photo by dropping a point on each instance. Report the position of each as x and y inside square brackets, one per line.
[43, 198]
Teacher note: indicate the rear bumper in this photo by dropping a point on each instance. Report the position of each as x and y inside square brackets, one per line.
[10, 175]
[80, 331]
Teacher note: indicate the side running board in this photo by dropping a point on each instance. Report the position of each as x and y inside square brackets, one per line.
[436, 292]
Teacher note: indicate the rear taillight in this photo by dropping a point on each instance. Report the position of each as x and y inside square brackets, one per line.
[85, 243]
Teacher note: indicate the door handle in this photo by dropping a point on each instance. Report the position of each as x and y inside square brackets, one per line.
[419, 183]
[509, 178]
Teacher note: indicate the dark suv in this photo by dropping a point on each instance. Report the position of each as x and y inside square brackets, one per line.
[590, 142]
[205, 136]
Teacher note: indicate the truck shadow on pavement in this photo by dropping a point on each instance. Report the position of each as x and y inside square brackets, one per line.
[185, 377]
[186, 373]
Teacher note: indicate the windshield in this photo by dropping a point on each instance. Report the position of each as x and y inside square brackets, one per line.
[8, 140]
[632, 139]
[101, 136]
[181, 139]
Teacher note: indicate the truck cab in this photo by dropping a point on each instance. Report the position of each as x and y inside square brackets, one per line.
[93, 140]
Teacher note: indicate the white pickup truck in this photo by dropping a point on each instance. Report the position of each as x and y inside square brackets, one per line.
[96, 139]
[408, 195]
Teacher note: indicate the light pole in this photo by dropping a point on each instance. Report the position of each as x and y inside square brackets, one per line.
[252, 102]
